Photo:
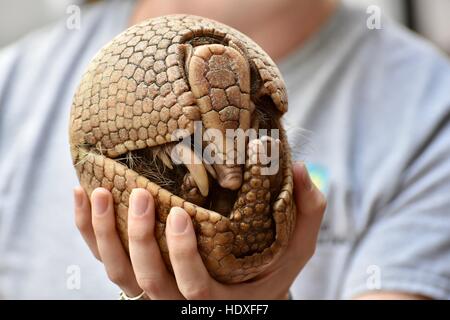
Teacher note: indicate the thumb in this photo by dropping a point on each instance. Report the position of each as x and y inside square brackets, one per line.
[311, 205]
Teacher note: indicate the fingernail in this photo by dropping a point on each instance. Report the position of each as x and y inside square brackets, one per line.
[139, 202]
[307, 179]
[178, 221]
[78, 198]
[100, 204]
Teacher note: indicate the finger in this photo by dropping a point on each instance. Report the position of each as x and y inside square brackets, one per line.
[311, 205]
[191, 275]
[83, 219]
[148, 265]
[112, 253]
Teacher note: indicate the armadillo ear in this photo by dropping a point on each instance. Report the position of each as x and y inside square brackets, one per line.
[185, 52]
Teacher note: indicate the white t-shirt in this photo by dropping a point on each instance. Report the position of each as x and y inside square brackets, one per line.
[369, 112]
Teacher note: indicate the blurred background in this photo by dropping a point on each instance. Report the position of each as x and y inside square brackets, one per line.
[430, 18]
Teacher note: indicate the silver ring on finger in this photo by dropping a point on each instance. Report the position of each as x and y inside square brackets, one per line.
[123, 296]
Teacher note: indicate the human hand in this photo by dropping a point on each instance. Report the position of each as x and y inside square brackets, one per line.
[145, 270]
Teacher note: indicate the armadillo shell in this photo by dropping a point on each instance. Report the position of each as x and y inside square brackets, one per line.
[137, 92]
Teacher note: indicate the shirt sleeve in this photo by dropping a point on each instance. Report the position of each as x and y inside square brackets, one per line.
[406, 248]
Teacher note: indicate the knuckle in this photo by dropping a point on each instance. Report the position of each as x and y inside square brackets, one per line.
[184, 253]
[321, 203]
[97, 256]
[304, 255]
[104, 232]
[82, 223]
[117, 276]
[104, 228]
[140, 234]
[151, 285]
[196, 291]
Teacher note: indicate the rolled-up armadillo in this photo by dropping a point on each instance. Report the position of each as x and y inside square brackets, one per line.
[151, 89]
